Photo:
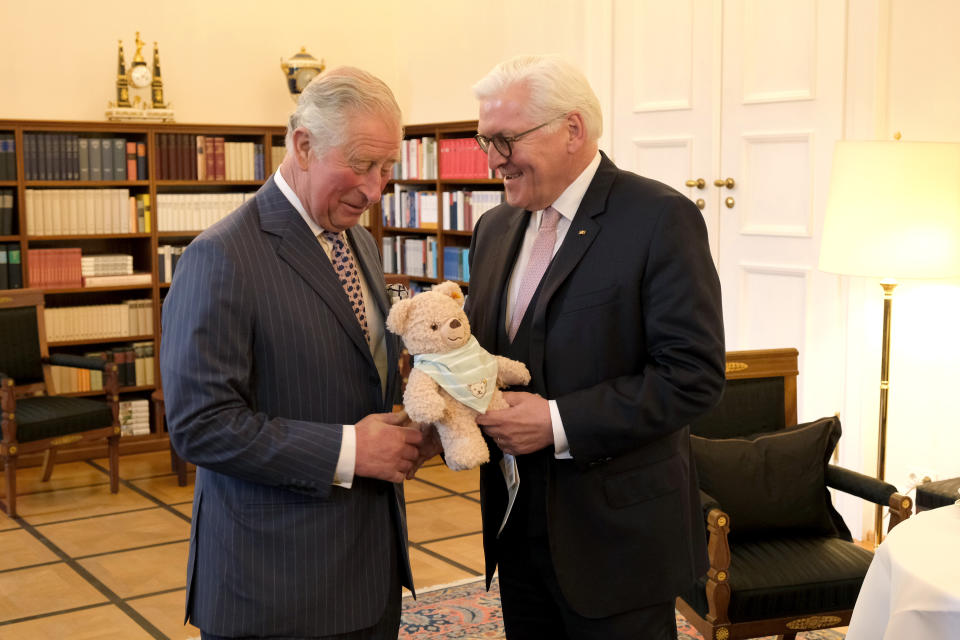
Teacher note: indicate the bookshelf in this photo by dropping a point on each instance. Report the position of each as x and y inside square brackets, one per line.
[171, 185]
[454, 183]
[53, 197]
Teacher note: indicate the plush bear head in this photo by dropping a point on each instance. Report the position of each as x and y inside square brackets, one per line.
[432, 321]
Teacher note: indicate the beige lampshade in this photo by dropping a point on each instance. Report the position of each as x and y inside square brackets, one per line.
[893, 211]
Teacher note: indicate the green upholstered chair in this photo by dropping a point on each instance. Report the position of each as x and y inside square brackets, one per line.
[33, 419]
[782, 560]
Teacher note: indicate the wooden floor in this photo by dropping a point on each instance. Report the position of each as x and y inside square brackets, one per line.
[82, 563]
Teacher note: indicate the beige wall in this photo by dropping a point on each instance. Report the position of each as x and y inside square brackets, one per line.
[220, 60]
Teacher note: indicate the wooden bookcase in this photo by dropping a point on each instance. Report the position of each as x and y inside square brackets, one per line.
[445, 238]
[144, 246]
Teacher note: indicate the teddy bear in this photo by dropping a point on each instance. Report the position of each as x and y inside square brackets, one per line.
[453, 378]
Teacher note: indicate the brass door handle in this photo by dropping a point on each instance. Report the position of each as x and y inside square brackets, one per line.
[728, 183]
[729, 202]
[699, 183]
[701, 204]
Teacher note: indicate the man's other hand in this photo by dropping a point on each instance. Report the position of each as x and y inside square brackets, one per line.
[386, 449]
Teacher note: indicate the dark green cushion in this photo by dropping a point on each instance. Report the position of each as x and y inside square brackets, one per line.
[748, 406]
[932, 495]
[20, 345]
[789, 577]
[52, 416]
[771, 482]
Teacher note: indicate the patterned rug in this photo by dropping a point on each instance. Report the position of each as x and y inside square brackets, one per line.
[466, 611]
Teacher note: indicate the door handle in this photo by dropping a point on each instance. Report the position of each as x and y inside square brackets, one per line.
[728, 183]
[729, 202]
[699, 183]
[701, 204]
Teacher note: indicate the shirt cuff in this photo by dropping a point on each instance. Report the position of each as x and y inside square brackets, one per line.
[561, 448]
[347, 462]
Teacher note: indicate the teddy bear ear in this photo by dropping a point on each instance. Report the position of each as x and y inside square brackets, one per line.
[399, 313]
[450, 289]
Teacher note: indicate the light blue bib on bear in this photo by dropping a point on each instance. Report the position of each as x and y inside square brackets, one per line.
[468, 373]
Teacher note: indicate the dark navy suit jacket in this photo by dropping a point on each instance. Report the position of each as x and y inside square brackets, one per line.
[627, 336]
[263, 361]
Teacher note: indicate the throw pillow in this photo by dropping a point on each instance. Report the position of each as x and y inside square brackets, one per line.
[771, 482]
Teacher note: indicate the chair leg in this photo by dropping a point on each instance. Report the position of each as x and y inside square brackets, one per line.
[10, 470]
[113, 444]
[49, 458]
[181, 467]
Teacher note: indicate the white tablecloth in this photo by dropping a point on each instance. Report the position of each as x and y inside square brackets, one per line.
[912, 589]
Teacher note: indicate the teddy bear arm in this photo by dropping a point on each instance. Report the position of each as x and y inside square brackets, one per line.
[422, 399]
[511, 372]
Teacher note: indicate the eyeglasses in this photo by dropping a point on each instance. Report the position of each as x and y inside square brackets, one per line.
[502, 143]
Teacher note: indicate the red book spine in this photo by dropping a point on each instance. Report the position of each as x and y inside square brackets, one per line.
[221, 160]
[131, 160]
[209, 156]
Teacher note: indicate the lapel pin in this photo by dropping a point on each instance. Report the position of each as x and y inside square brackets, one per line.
[582, 232]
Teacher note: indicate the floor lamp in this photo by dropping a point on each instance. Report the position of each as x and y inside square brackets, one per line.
[893, 213]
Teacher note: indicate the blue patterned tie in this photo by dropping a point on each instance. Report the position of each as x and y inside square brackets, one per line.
[346, 270]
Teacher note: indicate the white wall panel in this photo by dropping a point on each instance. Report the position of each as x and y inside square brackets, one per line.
[779, 41]
[777, 170]
[662, 31]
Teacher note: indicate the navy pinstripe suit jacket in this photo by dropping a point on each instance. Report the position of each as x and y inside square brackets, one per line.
[263, 361]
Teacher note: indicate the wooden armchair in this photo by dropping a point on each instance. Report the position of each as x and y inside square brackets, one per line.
[34, 419]
[782, 560]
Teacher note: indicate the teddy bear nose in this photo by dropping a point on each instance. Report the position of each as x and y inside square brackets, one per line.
[454, 324]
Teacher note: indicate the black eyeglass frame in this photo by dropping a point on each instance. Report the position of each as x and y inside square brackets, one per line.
[484, 142]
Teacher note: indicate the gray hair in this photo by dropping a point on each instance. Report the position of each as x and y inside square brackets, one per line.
[331, 99]
[556, 88]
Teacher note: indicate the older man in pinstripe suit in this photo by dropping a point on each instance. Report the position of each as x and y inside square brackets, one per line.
[278, 376]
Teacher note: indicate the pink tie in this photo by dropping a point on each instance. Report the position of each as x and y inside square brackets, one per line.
[346, 269]
[540, 258]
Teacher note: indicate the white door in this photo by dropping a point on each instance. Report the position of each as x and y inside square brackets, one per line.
[763, 107]
[666, 85]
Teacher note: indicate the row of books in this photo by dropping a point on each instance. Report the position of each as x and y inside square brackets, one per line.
[418, 159]
[134, 369]
[8, 156]
[462, 159]
[456, 263]
[462, 209]
[55, 212]
[68, 156]
[101, 321]
[167, 257]
[195, 211]
[410, 207]
[134, 417]
[106, 264]
[7, 213]
[11, 269]
[411, 256]
[182, 156]
[68, 268]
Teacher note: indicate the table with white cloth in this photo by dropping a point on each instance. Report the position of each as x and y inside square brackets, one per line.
[912, 589]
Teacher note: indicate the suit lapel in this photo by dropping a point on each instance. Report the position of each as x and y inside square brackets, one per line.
[302, 251]
[369, 262]
[583, 231]
[501, 262]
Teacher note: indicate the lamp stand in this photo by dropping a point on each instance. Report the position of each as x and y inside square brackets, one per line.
[888, 287]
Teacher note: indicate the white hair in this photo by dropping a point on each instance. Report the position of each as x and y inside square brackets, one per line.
[328, 103]
[556, 88]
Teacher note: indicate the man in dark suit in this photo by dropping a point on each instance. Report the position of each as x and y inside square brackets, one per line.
[601, 281]
[278, 375]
